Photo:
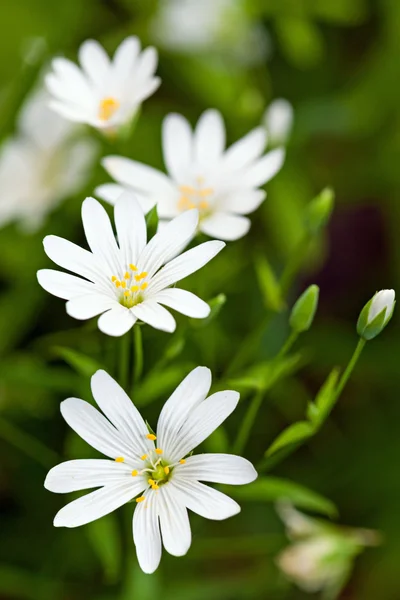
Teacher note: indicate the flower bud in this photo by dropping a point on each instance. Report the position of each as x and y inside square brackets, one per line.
[376, 314]
[303, 312]
[319, 210]
[278, 120]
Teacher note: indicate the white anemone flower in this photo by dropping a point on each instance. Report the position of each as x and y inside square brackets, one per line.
[222, 184]
[45, 162]
[103, 93]
[156, 470]
[130, 280]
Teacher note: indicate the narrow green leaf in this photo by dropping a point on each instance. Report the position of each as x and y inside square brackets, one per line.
[82, 364]
[215, 305]
[294, 434]
[269, 284]
[152, 222]
[265, 375]
[326, 398]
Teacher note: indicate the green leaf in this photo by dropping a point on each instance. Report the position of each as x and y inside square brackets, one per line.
[215, 305]
[294, 434]
[159, 383]
[265, 375]
[82, 364]
[269, 285]
[272, 489]
[325, 398]
[104, 538]
[152, 222]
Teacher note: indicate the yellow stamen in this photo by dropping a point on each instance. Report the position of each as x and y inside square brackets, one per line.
[144, 285]
[203, 204]
[117, 283]
[144, 456]
[113, 278]
[151, 482]
[123, 284]
[182, 461]
[155, 487]
[108, 106]
[127, 293]
[135, 288]
[132, 267]
[134, 473]
[127, 275]
[187, 189]
[151, 436]
[140, 499]
[205, 192]
[166, 470]
[119, 459]
[159, 451]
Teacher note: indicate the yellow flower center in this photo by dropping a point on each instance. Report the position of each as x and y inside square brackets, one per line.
[130, 286]
[107, 108]
[195, 196]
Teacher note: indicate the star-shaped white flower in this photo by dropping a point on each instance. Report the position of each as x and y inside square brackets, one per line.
[153, 469]
[103, 93]
[130, 280]
[222, 184]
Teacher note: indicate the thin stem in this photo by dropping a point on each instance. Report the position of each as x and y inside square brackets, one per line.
[248, 422]
[124, 361]
[287, 345]
[27, 444]
[345, 377]
[138, 351]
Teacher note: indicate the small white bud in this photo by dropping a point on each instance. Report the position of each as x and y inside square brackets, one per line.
[278, 120]
[376, 314]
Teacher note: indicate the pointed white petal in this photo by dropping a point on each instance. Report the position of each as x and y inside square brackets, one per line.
[147, 65]
[168, 242]
[97, 504]
[146, 533]
[201, 422]
[109, 192]
[73, 82]
[89, 305]
[174, 523]
[184, 265]
[203, 500]
[95, 62]
[177, 146]
[184, 302]
[242, 202]
[263, 169]
[217, 468]
[117, 321]
[246, 150]
[189, 394]
[70, 256]
[155, 315]
[92, 427]
[75, 475]
[63, 285]
[71, 112]
[136, 175]
[125, 58]
[120, 410]
[99, 234]
[224, 226]
[147, 89]
[209, 138]
[131, 228]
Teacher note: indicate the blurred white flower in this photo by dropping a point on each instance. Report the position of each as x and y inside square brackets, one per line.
[224, 25]
[221, 184]
[127, 281]
[162, 477]
[103, 93]
[44, 163]
[278, 120]
[322, 554]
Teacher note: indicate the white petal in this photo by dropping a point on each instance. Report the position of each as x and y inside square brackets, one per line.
[174, 523]
[75, 475]
[184, 302]
[120, 410]
[70, 256]
[147, 64]
[109, 192]
[73, 83]
[177, 146]
[224, 226]
[246, 150]
[131, 228]
[71, 112]
[147, 89]
[168, 242]
[136, 175]
[99, 234]
[209, 138]
[95, 62]
[203, 500]
[97, 504]
[92, 427]
[189, 394]
[217, 468]
[117, 321]
[242, 202]
[89, 305]
[63, 285]
[184, 265]
[201, 422]
[155, 315]
[124, 59]
[264, 169]
[146, 533]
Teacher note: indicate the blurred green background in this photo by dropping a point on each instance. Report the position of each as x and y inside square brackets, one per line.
[337, 62]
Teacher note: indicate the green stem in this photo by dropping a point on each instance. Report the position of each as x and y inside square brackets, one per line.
[345, 377]
[138, 353]
[287, 345]
[27, 444]
[124, 361]
[248, 422]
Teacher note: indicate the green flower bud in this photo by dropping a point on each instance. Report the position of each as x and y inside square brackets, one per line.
[376, 314]
[319, 210]
[303, 312]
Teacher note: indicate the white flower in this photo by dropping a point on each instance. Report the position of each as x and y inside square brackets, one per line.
[103, 93]
[161, 476]
[278, 120]
[223, 185]
[130, 280]
[44, 163]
